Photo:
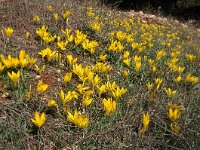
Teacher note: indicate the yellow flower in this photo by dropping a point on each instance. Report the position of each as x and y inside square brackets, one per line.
[145, 122]
[8, 31]
[170, 92]
[138, 63]
[71, 60]
[175, 128]
[87, 101]
[102, 57]
[173, 114]
[40, 70]
[160, 54]
[125, 74]
[14, 76]
[80, 37]
[36, 19]
[158, 82]
[81, 121]
[39, 120]
[62, 45]
[192, 79]
[178, 79]
[27, 35]
[127, 62]
[41, 87]
[66, 14]
[109, 106]
[67, 77]
[149, 86]
[101, 89]
[52, 103]
[55, 16]
[49, 7]
[190, 57]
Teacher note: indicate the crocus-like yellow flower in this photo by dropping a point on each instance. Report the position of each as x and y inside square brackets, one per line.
[190, 57]
[145, 122]
[39, 119]
[87, 101]
[170, 92]
[8, 31]
[36, 19]
[178, 79]
[175, 128]
[191, 79]
[125, 74]
[14, 77]
[109, 106]
[49, 7]
[149, 86]
[68, 77]
[41, 87]
[27, 35]
[102, 57]
[52, 103]
[55, 16]
[62, 45]
[81, 121]
[173, 114]
[71, 60]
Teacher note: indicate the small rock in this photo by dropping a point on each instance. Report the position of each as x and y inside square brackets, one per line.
[38, 77]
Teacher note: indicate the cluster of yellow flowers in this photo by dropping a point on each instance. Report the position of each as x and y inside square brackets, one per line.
[141, 51]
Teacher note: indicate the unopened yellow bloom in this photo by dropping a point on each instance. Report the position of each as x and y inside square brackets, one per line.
[178, 79]
[52, 103]
[158, 82]
[109, 106]
[68, 77]
[41, 87]
[27, 35]
[81, 121]
[8, 31]
[14, 77]
[127, 62]
[125, 74]
[101, 89]
[39, 119]
[170, 92]
[49, 7]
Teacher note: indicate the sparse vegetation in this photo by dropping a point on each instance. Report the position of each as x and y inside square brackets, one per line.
[75, 75]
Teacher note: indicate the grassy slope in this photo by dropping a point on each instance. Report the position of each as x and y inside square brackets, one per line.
[121, 129]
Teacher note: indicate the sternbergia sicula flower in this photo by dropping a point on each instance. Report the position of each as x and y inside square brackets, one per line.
[8, 31]
[52, 103]
[14, 77]
[39, 120]
[145, 122]
[81, 121]
[173, 114]
[109, 106]
[41, 87]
